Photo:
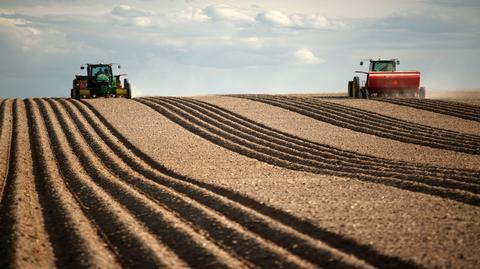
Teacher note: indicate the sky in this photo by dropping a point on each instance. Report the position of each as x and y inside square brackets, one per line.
[199, 47]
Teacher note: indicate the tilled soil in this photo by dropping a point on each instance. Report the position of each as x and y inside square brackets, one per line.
[413, 115]
[175, 182]
[457, 109]
[343, 138]
[373, 123]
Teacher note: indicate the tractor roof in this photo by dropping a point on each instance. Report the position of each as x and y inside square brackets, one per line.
[102, 64]
[383, 60]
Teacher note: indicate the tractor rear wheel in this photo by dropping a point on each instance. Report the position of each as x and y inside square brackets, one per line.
[356, 87]
[350, 88]
[421, 93]
[126, 84]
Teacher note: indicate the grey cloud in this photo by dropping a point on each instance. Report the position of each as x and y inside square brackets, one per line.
[454, 3]
[427, 22]
[128, 11]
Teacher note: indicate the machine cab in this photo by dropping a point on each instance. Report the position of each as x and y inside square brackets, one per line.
[98, 73]
[382, 65]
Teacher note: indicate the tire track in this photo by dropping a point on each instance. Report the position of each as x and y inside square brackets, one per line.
[243, 210]
[134, 244]
[75, 240]
[297, 162]
[459, 110]
[23, 240]
[375, 124]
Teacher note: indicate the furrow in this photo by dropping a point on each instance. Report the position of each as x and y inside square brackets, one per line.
[395, 128]
[75, 240]
[442, 107]
[5, 142]
[315, 252]
[242, 209]
[453, 106]
[458, 105]
[344, 120]
[231, 236]
[259, 252]
[286, 153]
[134, 243]
[390, 122]
[362, 126]
[258, 136]
[325, 150]
[24, 242]
[190, 245]
[292, 162]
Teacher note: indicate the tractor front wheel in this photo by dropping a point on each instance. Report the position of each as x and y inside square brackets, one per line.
[365, 93]
[350, 88]
[75, 93]
[126, 84]
[421, 93]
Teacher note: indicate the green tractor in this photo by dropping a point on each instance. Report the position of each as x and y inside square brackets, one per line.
[100, 82]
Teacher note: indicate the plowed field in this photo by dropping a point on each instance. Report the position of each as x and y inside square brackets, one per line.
[239, 182]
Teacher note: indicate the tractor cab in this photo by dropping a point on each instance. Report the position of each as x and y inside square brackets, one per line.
[100, 73]
[382, 65]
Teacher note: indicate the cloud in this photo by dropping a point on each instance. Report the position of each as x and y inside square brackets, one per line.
[6, 12]
[427, 22]
[179, 47]
[128, 11]
[131, 16]
[275, 18]
[20, 31]
[305, 56]
[302, 21]
[190, 14]
[142, 21]
[222, 12]
[454, 3]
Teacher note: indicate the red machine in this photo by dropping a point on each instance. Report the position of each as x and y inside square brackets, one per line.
[382, 80]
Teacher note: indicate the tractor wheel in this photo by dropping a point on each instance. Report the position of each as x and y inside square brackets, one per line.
[365, 93]
[356, 87]
[350, 88]
[126, 84]
[75, 93]
[421, 92]
[72, 91]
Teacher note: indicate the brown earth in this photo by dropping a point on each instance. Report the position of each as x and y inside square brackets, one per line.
[229, 182]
